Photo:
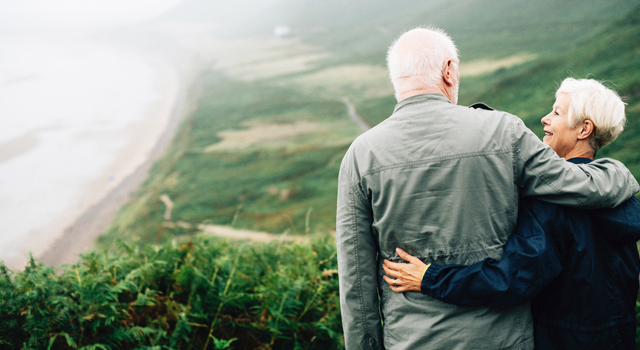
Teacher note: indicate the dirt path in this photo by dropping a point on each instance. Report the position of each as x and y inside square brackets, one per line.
[364, 126]
[169, 206]
[228, 232]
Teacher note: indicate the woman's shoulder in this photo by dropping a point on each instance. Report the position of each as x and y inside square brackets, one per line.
[552, 216]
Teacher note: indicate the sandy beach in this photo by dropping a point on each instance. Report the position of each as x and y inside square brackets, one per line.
[90, 96]
[62, 184]
[64, 175]
[132, 166]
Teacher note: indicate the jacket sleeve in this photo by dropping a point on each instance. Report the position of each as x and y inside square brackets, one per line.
[530, 261]
[357, 263]
[603, 183]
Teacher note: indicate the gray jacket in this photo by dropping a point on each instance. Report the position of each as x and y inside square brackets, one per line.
[442, 182]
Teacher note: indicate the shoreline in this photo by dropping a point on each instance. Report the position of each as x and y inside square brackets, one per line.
[85, 229]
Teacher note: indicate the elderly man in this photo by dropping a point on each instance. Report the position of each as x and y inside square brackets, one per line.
[425, 178]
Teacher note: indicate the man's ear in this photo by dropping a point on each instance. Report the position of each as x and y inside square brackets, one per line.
[586, 129]
[447, 72]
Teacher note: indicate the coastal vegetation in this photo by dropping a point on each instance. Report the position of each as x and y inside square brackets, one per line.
[203, 294]
[261, 152]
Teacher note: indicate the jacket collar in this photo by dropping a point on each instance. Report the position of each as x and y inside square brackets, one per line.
[579, 160]
[430, 97]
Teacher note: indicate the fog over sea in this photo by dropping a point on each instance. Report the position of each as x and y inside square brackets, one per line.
[77, 114]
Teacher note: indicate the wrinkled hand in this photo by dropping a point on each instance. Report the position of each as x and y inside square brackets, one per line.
[406, 277]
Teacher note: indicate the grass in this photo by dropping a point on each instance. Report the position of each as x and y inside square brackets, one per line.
[613, 57]
[236, 185]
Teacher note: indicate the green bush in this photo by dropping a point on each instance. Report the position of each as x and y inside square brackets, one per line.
[205, 294]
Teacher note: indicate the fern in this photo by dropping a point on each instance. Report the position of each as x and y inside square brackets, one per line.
[203, 294]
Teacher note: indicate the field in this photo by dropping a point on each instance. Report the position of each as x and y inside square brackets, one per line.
[264, 159]
[261, 153]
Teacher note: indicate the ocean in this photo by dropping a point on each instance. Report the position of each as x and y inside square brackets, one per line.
[76, 117]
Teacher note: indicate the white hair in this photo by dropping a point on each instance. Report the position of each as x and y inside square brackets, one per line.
[424, 61]
[590, 100]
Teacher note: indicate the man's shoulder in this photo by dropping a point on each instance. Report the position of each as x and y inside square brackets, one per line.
[360, 142]
[355, 154]
[378, 133]
[483, 109]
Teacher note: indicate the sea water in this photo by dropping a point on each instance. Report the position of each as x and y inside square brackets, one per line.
[70, 109]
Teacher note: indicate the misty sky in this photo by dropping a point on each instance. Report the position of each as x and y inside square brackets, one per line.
[69, 16]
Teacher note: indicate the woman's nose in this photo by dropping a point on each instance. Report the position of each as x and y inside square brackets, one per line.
[545, 119]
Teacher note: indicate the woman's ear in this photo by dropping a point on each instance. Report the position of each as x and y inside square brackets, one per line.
[585, 129]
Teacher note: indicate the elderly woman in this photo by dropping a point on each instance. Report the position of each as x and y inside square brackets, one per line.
[579, 268]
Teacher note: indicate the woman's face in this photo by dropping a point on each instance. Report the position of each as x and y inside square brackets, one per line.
[557, 132]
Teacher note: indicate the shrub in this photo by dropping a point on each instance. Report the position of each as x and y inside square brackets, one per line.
[204, 294]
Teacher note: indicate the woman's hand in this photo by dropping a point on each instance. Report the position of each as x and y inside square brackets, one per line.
[406, 277]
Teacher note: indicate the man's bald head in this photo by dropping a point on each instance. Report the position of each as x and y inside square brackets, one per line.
[416, 61]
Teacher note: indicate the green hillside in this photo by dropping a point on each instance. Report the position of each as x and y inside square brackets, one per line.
[266, 182]
[286, 182]
[612, 56]
[360, 30]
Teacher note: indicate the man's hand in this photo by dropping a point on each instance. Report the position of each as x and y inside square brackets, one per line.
[406, 277]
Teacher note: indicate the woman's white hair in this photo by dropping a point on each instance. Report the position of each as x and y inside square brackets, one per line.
[593, 101]
[423, 61]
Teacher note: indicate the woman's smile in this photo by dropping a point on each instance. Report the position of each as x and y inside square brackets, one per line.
[557, 132]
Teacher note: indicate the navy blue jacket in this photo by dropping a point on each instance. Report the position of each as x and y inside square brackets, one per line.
[579, 268]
